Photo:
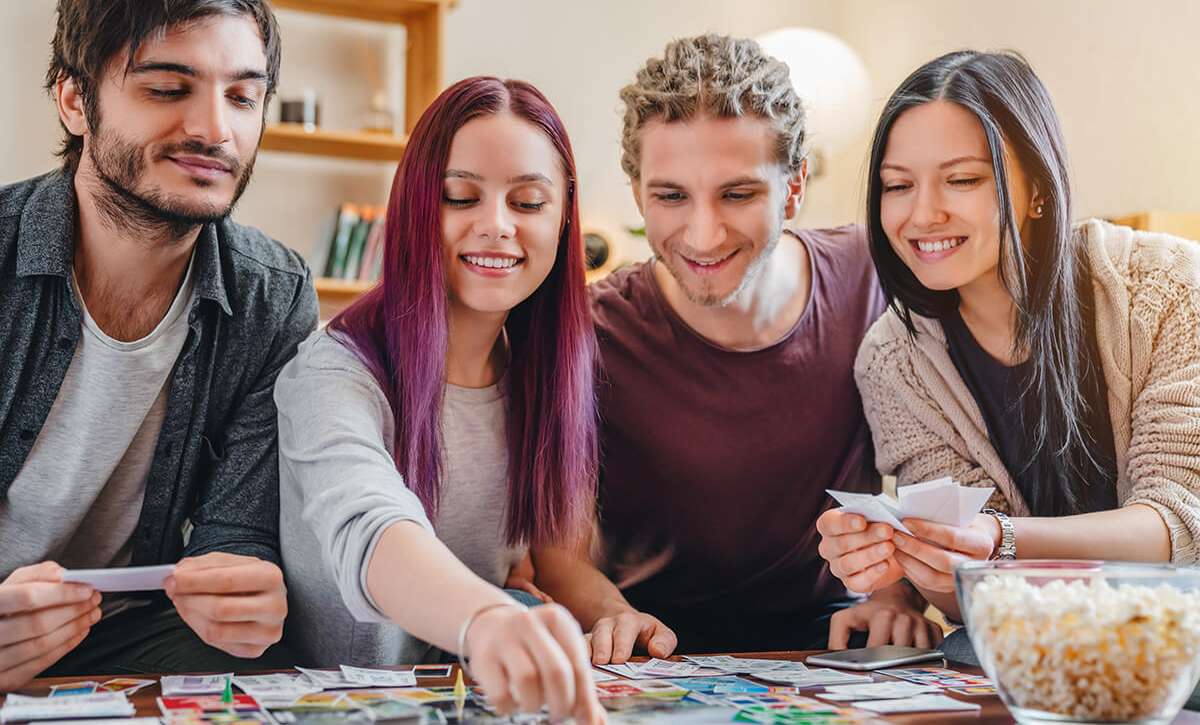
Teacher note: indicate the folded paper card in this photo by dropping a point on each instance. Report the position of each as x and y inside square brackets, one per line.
[122, 579]
[942, 500]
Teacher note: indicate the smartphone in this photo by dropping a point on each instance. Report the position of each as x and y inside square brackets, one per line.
[874, 658]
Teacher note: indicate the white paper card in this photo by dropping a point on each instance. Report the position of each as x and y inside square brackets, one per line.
[875, 691]
[878, 509]
[812, 678]
[122, 579]
[942, 500]
[194, 684]
[327, 679]
[365, 677]
[98, 705]
[664, 668]
[918, 703]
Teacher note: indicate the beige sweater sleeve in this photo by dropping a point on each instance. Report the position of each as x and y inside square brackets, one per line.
[914, 439]
[1164, 449]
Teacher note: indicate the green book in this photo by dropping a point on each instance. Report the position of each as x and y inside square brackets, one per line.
[335, 265]
[358, 243]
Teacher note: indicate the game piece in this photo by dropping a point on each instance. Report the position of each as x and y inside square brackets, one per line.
[121, 579]
[421, 671]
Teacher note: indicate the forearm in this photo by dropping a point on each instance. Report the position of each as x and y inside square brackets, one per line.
[422, 586]
[575, 582]
[1130, 533]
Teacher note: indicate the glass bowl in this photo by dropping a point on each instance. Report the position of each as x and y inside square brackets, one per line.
[1085, 641]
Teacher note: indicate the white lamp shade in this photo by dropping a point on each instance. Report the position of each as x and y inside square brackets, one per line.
[830, 79]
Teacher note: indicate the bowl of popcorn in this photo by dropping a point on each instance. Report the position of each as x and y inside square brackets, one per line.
[1085, 641]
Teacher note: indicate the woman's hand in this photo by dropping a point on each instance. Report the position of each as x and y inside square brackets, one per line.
[928, 561]
[526, 658]
[861, 556]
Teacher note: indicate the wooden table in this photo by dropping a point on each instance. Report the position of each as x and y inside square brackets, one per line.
[993, 711]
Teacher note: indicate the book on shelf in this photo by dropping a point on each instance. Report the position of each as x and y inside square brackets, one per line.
[355, 249]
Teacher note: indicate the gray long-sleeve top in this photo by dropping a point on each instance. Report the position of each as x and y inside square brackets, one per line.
[340, 490]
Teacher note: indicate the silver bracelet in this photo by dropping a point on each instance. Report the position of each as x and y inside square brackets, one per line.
[1008, 538]
[466, 626]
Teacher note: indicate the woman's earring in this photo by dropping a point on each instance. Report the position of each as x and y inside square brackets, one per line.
[1037, 212]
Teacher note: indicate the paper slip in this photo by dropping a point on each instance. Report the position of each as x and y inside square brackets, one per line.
[631, 671]
[744, 665]
[664, 668]
[599, 675]
[194, 684]
[874, 691]
[127, 685]
[943, 500]
[364, 677]
[813, 678]
[122, 579]
[276, 688]
[327, 679]
[917, 703]
[100, 704]
[106, 721]
[73, 688]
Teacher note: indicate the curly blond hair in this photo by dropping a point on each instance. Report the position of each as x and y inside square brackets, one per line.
[719, 76]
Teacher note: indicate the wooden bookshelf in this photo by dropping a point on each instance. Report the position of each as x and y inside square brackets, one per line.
[335, 295]
[424, 24]
[292, 138]
[384, 11]
[424, 21]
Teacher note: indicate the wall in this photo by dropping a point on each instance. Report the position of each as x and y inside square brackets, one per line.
[1124, 78]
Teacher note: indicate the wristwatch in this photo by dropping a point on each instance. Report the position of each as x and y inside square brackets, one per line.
[1008, 538]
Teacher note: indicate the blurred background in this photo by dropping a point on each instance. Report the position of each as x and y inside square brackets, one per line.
[1125, 78]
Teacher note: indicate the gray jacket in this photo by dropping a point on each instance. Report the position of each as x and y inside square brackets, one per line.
[216, 461]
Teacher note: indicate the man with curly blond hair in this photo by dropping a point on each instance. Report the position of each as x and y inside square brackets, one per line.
[728, 403]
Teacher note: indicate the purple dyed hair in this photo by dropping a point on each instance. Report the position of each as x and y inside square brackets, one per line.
[400, 330]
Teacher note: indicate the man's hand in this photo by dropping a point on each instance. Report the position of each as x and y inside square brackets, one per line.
[41, 619]
[860, 554]
[887, 620]
[613, 638]
[234, 603]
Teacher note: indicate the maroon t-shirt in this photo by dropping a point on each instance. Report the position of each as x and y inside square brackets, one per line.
[715, 462]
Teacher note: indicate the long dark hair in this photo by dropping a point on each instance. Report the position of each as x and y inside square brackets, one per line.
[1042, 273]
[400, 330]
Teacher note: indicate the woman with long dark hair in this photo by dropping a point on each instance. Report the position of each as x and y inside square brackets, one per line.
[1057, 362]
[445, 423]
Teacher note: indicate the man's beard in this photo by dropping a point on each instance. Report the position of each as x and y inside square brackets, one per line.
[705, 295]
[151, 213]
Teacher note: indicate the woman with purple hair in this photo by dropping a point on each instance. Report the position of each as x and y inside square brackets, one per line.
[445, 423]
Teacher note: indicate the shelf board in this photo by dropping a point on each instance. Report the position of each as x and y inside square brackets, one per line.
[341, 287]
[345, 144]
[386, 11]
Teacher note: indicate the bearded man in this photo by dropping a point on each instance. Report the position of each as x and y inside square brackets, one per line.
[140, 336]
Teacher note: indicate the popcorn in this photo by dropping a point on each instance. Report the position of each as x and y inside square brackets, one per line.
[1087, 650]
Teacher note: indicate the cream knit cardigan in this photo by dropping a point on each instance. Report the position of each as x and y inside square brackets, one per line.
[926, 423]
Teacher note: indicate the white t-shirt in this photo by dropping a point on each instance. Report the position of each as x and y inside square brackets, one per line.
[78, 496]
